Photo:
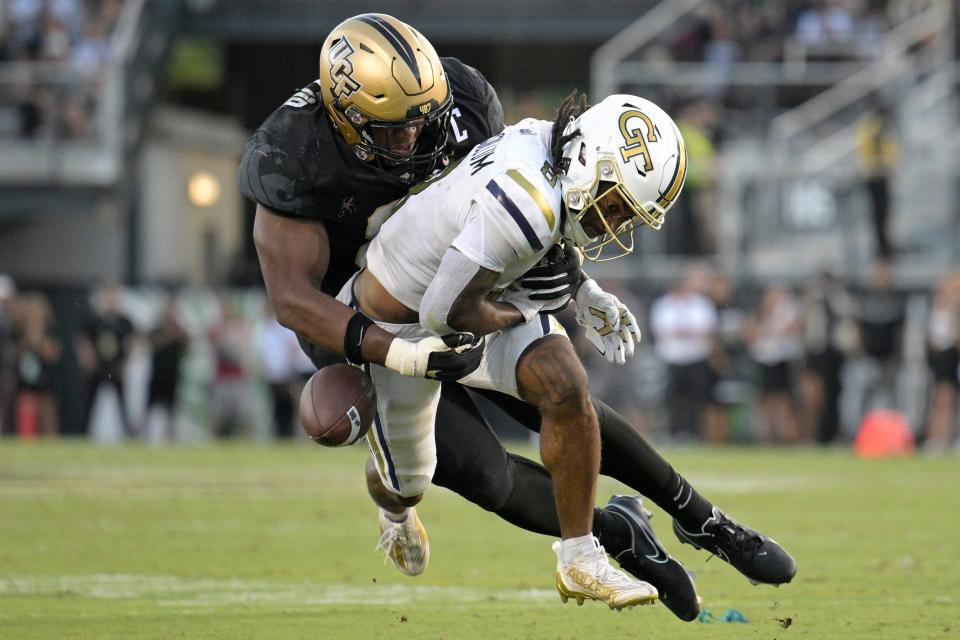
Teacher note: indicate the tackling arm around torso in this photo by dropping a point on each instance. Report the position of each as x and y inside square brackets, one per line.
[294, 256]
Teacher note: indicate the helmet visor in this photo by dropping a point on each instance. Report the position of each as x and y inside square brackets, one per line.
[603, 239]
[408, 149]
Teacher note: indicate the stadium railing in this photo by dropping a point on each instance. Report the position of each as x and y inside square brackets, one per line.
[118, 97]
[788, 188]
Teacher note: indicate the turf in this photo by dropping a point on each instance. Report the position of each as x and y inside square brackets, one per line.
[277, 542]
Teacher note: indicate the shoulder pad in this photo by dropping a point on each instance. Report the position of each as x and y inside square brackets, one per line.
[476, 113]
[271, 176]
[530, 204]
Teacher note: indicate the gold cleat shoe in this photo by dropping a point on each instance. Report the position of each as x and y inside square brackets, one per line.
[405, 543]
[592, 577]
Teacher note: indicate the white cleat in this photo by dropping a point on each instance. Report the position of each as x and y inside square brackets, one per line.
[592, 577]
[405, 543]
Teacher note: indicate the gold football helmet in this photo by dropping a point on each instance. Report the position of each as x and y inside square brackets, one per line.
[387, 94]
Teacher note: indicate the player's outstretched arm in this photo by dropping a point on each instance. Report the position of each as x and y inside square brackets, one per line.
[294, 256]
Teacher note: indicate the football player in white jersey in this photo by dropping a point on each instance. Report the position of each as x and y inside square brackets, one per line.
[445, 262]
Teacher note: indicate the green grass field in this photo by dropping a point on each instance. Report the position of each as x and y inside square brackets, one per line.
[277, 542]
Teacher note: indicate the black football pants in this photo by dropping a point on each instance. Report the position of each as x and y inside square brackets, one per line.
[472, 462]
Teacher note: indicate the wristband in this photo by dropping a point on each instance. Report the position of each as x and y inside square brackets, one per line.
[353, 338]
[402, 357]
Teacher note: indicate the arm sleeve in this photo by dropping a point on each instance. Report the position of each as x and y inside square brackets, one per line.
[455, 273]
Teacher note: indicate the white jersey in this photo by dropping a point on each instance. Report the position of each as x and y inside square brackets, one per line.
[499, 207]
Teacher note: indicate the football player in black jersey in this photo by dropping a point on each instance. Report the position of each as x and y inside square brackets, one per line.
[324, 169]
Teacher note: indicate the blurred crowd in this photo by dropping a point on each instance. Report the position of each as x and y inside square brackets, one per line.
[52, 57]
[156, 365]
[726, 31]
[718, 363]
[781, 364]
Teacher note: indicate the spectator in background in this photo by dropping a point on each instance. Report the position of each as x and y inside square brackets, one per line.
[7, 47]
[91, 53]
[278, 348]
[773, 334]
[881, 317]
[829, 333]
[231, 402]
[723, 359]
[168, 343]
[102, 350]
[37, 356]
[943, 358]
[721, 53]
[691, 228]
[824, 22]
[684, 325]
[878, 154]
[54, 39]
[7, 293]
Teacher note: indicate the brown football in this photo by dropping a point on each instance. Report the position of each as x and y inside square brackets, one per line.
[337, 405]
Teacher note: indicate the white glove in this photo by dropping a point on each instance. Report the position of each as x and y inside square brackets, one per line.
[447, 359]
[606, 322]
[521, 299]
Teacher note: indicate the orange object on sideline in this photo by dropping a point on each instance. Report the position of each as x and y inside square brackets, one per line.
[884, 433]
[28, 415]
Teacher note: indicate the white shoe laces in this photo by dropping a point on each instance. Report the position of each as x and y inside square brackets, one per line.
[393, 535]
[600, 575]
[605, 573]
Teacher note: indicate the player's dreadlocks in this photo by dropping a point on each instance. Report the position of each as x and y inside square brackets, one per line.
[572, 107]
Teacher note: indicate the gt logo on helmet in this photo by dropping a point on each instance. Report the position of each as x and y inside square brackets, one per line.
[634, 139]
[341, 69]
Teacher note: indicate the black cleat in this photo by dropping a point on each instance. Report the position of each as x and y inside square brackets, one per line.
[649, 561]
[753, 554]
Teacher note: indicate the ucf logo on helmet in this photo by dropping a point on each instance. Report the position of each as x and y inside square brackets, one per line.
[341, 69]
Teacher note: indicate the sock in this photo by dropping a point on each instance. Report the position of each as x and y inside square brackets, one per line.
[689, 508]
[395, 517]
[627, 457]
[572, 548]
[612, 531]
[530, 504]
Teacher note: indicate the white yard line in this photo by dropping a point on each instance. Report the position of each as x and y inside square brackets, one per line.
[172, 591]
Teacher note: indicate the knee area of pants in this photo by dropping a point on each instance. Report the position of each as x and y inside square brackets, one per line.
[489, 489]
[412, 490]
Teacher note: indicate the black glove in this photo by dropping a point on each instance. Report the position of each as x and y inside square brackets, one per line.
[463, 358]
[556, 276]
[554, 279]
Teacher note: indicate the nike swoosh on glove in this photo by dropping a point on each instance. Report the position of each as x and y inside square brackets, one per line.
[556, 276]
[527, 305]
[446, 359]
[606, 322]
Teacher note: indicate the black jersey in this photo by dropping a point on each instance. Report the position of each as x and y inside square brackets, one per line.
[297, 164]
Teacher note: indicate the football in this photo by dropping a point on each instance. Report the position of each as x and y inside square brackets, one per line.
[337, 405]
